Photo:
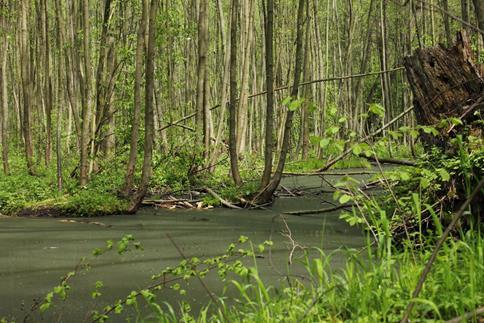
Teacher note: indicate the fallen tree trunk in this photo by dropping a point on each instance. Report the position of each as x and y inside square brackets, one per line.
[389, 161]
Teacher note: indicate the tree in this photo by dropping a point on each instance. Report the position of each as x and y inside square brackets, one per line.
[202, 85]
[269, 121]
[133, 148]
[86, 99]
[234, 158]
[479, 8]
[3, 89]
[27, 84]
[149, 114]
[267, 192]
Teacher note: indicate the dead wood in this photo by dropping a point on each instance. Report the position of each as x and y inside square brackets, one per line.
[223, 201]
[389, 161]
[319, 211]
[447, 75]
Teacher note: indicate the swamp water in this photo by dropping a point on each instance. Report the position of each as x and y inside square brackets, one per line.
[36, 253]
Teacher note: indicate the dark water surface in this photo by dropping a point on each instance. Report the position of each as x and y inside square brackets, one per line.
[36, 253]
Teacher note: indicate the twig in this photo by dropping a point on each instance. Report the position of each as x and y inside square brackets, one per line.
[218, 197]
[472, 314]
[288, 191]
[294, 244]
[371, 135]
[318, 211]
[210, 294]
[431, 261]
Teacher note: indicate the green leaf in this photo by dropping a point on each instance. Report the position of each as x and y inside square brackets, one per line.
[345, 198]
[324, 143]
[444, 174]
[296, 104]
[332, 111]
[424, 182]
[287, 101]
[377, 109]
[404, 176]
[357, 150]
[332, 130]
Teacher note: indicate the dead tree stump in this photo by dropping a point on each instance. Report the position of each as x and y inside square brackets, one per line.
[445, 81]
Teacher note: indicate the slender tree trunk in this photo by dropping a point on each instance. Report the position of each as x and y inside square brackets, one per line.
[448, 36]
[244, 86]
[149, 114]
[202, 107]
[465, 12]
[133, 151]
[4, 99]
[47, 82]
[60, 98]
[225, 83]
[102, 81]
[234, 158]
[86, 101]
[479, 8]
[269, 121]
[267, 194]
[25, 61]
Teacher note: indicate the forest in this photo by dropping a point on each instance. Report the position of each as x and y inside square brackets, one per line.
[242, 160]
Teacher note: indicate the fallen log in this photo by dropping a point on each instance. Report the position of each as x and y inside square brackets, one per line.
[341, 173]
[319, 211]
[389, 160]
[223, 201]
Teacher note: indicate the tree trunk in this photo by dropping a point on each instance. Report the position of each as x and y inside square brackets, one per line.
[479, 8]
[203, 128]
[267, 193]
[149, 114]
[3, 94]
[465, 12]
[27, 85]
[86, 101]
[448, 36]
[269, 121]
[102, 81]
[47, 84]
[234, 158]
[133, 149]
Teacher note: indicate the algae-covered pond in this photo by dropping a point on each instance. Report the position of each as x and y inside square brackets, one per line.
[36, 253]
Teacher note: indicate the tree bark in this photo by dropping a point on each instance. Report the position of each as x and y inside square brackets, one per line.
[202, 93]
[269, 121]
[267, 193]
[25, 61]
[479, 8]
[149, 114]
[47, 83]
[234, 158]
[86, 100]
[448, 36]
[3, 93]
[133, 149]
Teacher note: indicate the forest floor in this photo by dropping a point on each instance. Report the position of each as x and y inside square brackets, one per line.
[174, 185]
